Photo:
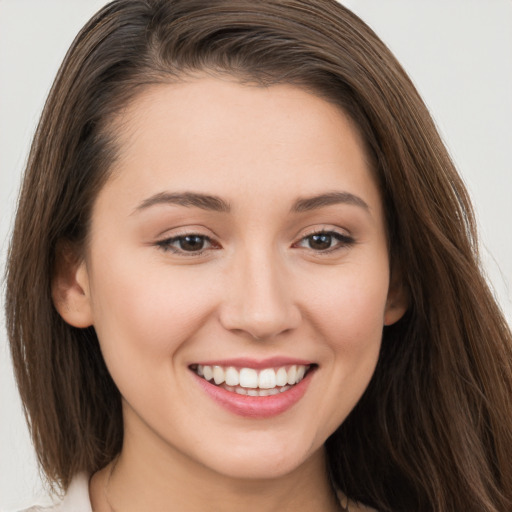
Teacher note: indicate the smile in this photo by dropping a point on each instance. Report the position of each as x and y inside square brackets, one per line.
[252, 382]
[255, 389]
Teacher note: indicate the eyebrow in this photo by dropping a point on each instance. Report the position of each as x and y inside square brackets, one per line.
[217, 204]
[188, 199]
[312, 203]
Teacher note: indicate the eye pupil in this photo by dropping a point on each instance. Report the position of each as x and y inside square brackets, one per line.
[320, 241]
[191, 243]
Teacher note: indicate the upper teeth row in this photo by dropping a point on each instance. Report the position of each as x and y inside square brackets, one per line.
[267, 378]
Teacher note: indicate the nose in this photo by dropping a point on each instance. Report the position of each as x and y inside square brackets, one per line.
[258, 300]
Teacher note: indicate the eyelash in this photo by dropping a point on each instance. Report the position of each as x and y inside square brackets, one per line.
[166, 245]
[344, 241]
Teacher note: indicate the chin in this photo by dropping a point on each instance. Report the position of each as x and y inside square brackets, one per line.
[262, 460]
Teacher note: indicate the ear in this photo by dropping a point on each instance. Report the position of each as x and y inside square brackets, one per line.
[70, 287]
[397, 301]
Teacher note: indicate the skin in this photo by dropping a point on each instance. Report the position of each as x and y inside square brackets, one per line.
[260, 288]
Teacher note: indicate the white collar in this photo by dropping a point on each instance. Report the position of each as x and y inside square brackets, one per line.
[76, 498]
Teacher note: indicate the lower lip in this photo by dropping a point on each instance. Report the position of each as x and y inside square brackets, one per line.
[256, 406]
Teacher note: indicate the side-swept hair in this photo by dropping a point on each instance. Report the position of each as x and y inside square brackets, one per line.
[433, 431]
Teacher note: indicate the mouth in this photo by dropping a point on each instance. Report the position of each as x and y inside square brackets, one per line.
[253, 382]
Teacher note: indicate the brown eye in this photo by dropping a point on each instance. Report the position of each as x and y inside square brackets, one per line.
[325, 241]
[191, 243]
[320, 242]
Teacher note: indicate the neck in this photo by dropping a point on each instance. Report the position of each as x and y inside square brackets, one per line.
[150, 476]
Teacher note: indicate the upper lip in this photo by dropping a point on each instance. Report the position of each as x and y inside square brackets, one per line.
[257, 364]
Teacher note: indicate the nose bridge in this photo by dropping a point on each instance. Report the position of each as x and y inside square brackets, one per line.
[259, 299]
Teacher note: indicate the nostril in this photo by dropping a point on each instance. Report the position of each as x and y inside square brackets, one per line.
[261, 325]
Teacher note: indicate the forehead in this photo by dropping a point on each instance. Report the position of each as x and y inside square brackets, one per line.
[218, 136]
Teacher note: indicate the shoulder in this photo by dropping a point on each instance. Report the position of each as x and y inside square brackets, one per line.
[352, 506]
[358, 507]
[76, 498]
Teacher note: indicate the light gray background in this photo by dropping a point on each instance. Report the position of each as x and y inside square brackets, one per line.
[458, 52]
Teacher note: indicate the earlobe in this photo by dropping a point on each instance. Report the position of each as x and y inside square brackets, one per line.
[393, 313]
[70, 288]
[396, 304]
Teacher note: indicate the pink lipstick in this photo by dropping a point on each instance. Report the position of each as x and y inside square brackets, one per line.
[255, 389]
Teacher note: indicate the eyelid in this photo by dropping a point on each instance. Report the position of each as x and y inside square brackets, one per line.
[165, 244]
[184, 230]
[344, 240]
[324, 228]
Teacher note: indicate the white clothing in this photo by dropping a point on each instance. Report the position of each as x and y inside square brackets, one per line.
[76, 498]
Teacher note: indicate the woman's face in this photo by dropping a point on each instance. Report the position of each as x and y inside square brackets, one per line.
[241, 237]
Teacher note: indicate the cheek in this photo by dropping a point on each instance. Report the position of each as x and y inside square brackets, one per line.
[143, 321]
[348, 309]
[362, 312]
[348, 324]
[146, 314]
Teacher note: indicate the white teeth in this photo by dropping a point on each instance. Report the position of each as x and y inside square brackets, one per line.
[218, 375]
[256, 392]
[267, 379]
[232, 377]
[248, 381]
[208, 372]
[248, 378]
[281, 377]
[292, 375]
[301, 371]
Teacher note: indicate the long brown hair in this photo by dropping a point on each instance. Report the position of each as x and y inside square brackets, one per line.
[433, 430]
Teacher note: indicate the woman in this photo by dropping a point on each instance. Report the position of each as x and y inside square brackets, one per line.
[254, 274]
